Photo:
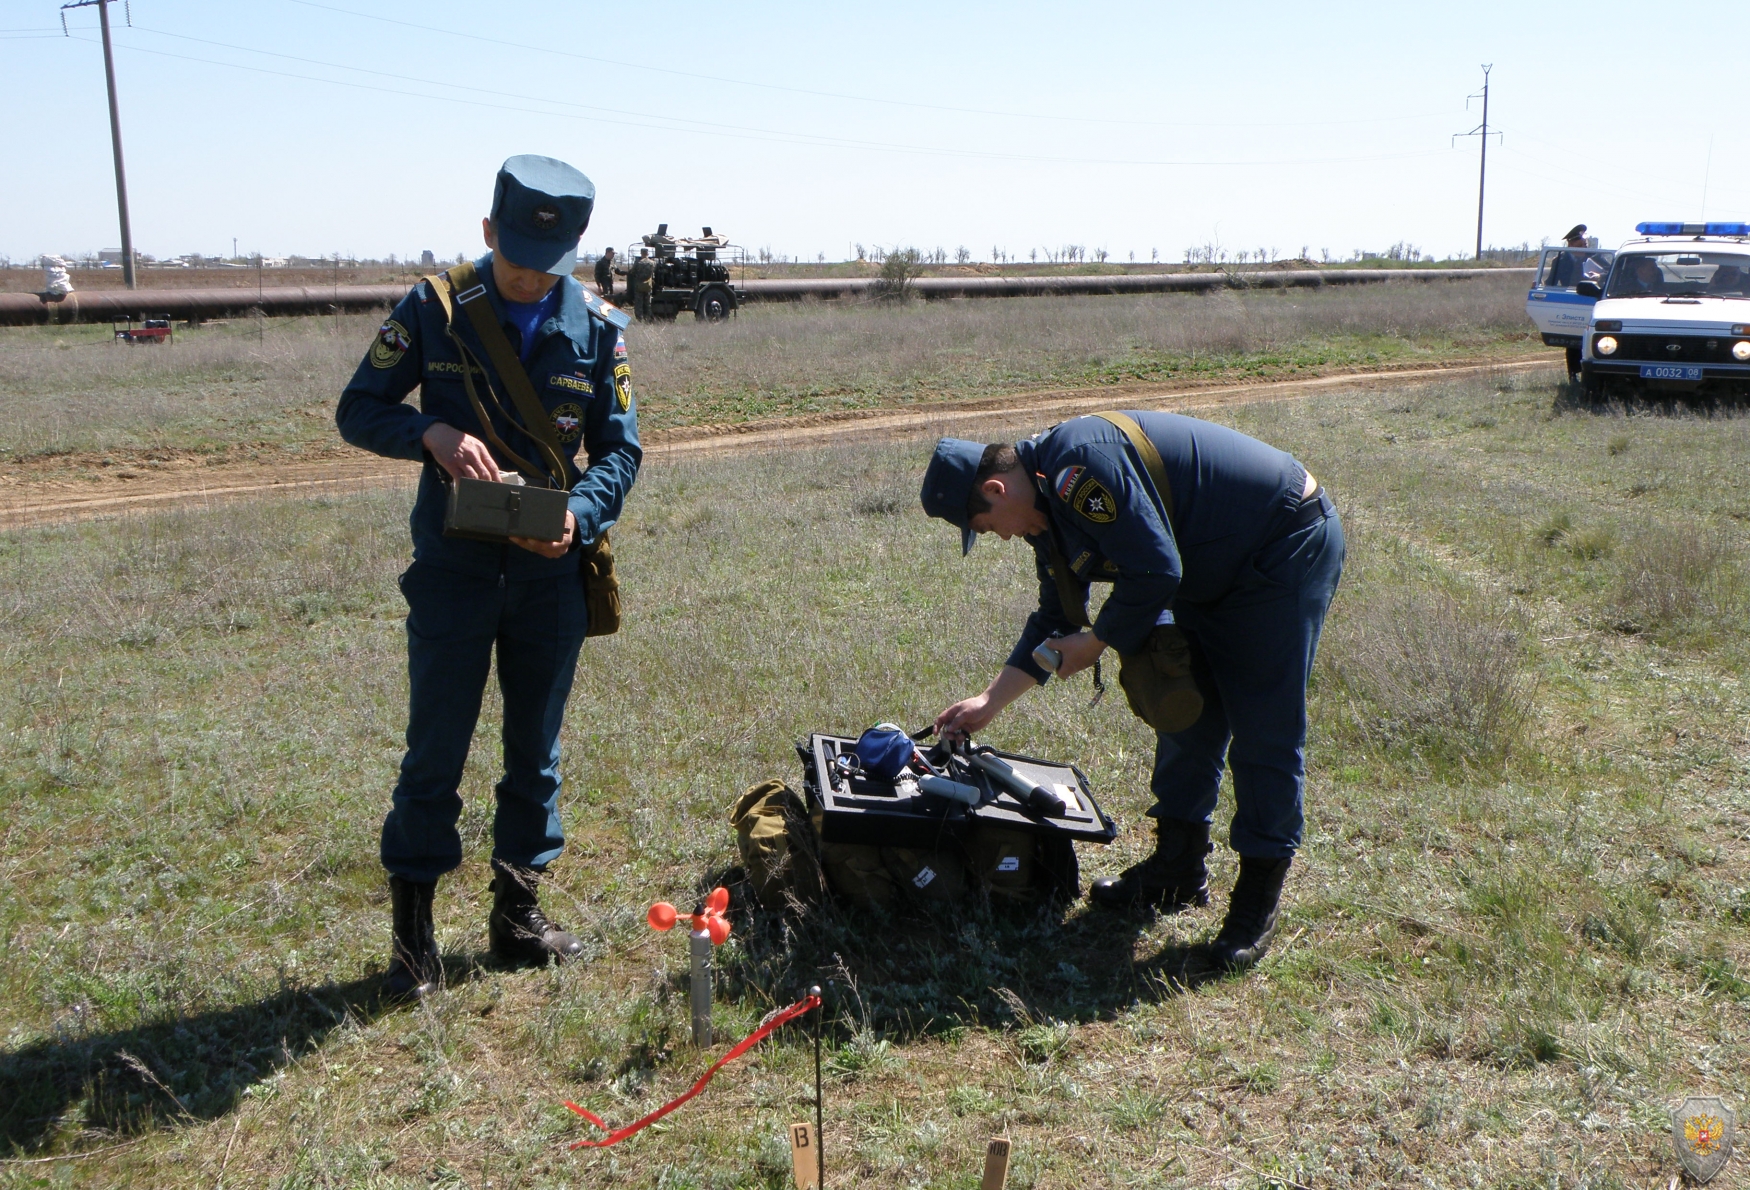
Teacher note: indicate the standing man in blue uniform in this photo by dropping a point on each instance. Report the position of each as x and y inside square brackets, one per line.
[468, 599]
[1224, 576]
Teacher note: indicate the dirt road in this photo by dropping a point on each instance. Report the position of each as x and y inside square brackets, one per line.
[71, 488]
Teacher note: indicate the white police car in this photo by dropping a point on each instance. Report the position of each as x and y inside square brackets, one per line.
[1560, 312]
[1674, 314]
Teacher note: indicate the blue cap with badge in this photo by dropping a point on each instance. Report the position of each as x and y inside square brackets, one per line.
[540, 207]
[948, 485]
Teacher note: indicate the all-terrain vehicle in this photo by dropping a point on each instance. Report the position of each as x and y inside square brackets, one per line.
[689, 276]
[1673, 315]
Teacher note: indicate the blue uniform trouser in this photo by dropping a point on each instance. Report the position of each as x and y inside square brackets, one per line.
[1252, 652]
[454, 622]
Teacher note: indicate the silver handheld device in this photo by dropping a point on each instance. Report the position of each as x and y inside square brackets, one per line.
[1047, 658]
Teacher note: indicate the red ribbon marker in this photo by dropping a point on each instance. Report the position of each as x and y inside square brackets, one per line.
[782, 1017]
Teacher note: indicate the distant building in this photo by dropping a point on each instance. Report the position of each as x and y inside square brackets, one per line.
[427, 260]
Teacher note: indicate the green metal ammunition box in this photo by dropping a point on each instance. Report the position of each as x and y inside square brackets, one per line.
[496, 512]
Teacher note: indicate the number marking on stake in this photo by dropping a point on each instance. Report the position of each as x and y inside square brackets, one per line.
[802, 1157]
[996, 1164]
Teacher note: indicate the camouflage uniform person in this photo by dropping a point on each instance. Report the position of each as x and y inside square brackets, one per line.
[604, 273]
[643, 279]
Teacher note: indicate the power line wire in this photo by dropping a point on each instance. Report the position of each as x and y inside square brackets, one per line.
[933, 107]
[675, 124]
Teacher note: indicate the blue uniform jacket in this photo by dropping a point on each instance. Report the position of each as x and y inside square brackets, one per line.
[580, 374]
[1231, 494]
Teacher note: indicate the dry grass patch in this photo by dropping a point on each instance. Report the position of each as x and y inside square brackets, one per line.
[273, 383]
[1499, 965]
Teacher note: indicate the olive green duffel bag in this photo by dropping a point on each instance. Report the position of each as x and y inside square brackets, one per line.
[786, 861]
[777, 845]
[1157, 681]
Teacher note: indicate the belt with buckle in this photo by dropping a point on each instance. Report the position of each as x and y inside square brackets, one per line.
[1310, 510]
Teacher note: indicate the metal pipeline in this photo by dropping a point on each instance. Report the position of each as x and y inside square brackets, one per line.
[977, 286]
[102, 305]
[29, 309]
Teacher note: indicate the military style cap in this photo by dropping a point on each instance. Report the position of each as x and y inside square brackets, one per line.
[540, 207]
[948, 485]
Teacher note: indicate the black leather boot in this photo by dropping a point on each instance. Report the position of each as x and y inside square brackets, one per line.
[1253, 912]
[1171, 879]
[415, 970]
[518, 930]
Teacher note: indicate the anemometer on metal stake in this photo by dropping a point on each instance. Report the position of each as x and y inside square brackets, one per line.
[710, 927]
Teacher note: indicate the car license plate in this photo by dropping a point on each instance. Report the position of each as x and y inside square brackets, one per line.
[1670, 372]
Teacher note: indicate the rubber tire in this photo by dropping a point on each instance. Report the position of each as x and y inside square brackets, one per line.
[714, 305]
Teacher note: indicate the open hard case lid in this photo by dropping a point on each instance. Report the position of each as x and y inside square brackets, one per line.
[859, 808]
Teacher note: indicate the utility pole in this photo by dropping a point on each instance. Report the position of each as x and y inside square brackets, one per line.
[115, 130]
[1481, 130]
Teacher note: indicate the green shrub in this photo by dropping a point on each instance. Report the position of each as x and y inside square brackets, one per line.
[1442, 674]
[901, 267]
[1679, 581]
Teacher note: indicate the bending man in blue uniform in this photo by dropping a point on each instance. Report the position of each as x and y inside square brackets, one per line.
[1219, 588]
[466, 598]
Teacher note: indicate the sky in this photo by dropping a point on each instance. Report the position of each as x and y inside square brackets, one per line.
[371, 127]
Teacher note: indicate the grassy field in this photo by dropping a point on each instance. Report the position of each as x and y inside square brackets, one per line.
[1516, 935]
[267, 389]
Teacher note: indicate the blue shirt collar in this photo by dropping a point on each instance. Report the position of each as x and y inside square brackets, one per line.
[572, 315]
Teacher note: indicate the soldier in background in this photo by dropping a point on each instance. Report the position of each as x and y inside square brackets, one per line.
[604, 273]
[643, 281]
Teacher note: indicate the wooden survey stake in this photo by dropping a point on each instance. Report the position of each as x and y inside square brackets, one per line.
[804, 1158]
[996, 1164]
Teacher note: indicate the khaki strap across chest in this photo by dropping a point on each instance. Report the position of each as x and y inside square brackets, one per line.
[1071, 591]
[1151, 459]
[461, 286]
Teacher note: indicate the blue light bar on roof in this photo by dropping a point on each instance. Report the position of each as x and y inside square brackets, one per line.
[1693, 229]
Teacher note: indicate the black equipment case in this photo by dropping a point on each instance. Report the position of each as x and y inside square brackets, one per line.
[857, 808]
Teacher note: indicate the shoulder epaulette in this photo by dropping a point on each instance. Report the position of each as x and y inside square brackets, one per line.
[605, 310]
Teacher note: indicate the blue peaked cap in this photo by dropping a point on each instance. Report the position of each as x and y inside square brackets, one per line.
[948, 485]
[540, 207]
